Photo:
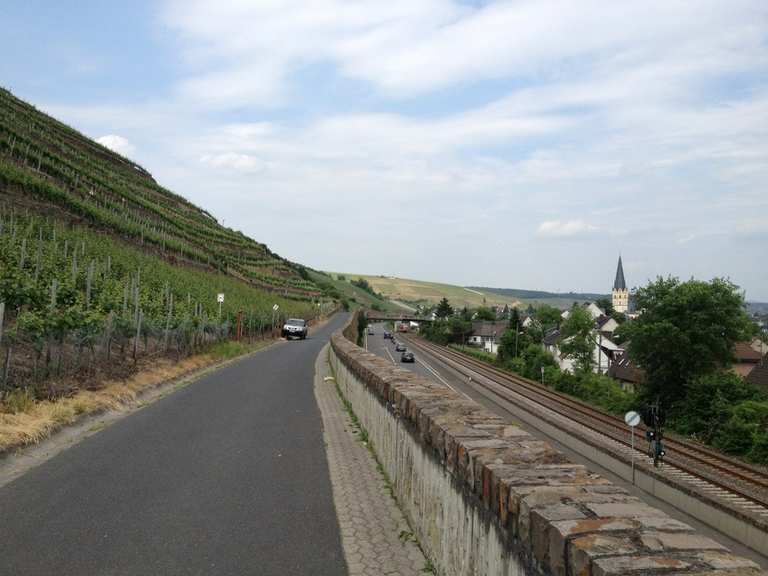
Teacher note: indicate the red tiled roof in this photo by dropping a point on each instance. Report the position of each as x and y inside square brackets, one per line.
[743, 352]
[759, 374]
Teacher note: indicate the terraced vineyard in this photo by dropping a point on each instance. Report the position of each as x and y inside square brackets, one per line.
[48, 167]
[101, 267]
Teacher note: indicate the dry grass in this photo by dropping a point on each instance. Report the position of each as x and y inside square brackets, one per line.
[38, 420]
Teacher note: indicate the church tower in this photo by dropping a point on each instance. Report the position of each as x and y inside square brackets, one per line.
[620, 294]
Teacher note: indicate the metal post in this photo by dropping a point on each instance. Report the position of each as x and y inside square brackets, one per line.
[633, 454]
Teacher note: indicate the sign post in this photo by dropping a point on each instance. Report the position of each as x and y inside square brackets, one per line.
[632, 419]
[220, 300]
[275, 308]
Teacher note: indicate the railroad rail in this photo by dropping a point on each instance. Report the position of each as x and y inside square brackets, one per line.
[734, 483]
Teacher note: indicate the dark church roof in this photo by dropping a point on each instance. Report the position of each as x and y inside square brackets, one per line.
[619, 283]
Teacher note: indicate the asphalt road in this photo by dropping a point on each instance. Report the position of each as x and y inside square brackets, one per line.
[225, 476]
[423, 366]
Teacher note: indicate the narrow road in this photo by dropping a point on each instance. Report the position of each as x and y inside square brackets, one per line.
[225, 476]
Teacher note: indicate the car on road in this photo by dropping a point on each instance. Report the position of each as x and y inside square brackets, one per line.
[387, 335]
[407, 357]
[370, 330]
[399, 347]
[295, 328]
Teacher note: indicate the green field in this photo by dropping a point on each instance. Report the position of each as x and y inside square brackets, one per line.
[412, 292]
[353, 294]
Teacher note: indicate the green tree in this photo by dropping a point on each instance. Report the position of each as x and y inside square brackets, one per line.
[536, 359]
[606, 305]
[548, 316]
[577, 339]
[686, 330]
[708, 402]
[514, 319]
[444, 309]
[484, 313]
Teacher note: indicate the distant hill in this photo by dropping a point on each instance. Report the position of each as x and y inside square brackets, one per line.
[412, 292]
[332, 285]
[558, 299]
[50, 169]
[760, 308]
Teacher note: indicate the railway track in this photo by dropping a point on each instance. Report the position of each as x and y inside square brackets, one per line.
[734, 484]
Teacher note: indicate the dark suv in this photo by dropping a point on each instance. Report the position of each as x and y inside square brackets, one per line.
[295, 328]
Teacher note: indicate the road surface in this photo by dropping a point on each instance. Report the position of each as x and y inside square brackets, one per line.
[225, 476]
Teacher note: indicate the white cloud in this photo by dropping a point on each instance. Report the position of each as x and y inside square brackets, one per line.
[117, 144]
[564, 228]
[640, 123]
[243, 53]
[238, 162]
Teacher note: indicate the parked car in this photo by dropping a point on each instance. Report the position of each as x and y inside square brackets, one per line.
[370, 330]
[387, 335]
[407, 357]
[295, 328]
[399, 347]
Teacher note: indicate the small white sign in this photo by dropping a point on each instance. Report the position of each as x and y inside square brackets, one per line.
[632, 418]
[220, 298]
[275, 307]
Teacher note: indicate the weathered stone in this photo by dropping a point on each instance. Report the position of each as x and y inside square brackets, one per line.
[541, 521]
[560, 531]
[674, 541]
[583, 550]
[621, 565]
[633, 509]
[725, 561]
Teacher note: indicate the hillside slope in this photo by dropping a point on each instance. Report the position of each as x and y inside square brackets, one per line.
[49, 168]
[412, 292]
[557, 299]
[101, 269]
[332, 285]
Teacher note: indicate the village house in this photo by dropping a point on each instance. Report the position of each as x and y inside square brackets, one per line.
[486, 335]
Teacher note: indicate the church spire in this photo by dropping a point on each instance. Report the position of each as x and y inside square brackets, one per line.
[619, 283]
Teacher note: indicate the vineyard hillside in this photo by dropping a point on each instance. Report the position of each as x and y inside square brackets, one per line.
[49, 168]
[102, 270]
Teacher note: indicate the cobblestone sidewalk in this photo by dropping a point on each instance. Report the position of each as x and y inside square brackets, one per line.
[374, 532]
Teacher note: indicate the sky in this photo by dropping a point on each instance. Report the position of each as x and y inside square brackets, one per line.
[517, 144]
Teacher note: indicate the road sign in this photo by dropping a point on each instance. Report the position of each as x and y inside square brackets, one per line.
[632, 418]
[275, 307]
[220, 298]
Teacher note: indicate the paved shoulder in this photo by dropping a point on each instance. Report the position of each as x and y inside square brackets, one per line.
[225, 476]
[375, 535]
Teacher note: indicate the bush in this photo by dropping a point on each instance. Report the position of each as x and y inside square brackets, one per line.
[742, 430]
[18, 401]
[708, 404]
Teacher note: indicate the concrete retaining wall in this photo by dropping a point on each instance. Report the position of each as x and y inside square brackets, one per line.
[487, 498]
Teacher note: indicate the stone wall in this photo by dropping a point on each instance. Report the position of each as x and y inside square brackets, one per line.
[485, 497]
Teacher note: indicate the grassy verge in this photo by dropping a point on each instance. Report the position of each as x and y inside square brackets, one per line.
[25, 421]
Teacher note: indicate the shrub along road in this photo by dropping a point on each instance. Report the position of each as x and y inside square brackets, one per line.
[225, 476]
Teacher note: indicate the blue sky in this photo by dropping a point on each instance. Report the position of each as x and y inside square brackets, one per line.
[513, 144]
